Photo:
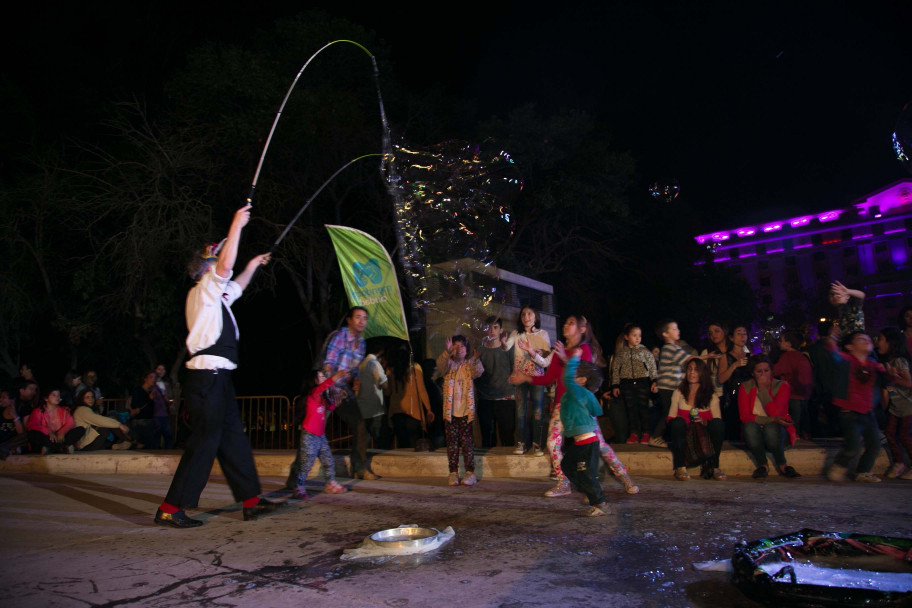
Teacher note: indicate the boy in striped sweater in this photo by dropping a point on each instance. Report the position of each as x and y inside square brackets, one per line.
[672, 359]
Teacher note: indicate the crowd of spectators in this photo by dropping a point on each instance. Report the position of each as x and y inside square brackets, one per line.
[75, 416]
[846, 384]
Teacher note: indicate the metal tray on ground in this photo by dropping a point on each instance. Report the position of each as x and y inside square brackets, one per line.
[403, 538]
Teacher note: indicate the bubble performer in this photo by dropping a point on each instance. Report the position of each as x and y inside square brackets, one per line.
[212, 342]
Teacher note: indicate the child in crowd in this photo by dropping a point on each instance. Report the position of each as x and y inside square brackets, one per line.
[795, 368]
[853, 395]
[578, 338]
[459, 406]
[848, 303]
[529, 396]
[496, 396]
[672, 359]
[313, 438]
[580, 462]
[633, 373]
[894, 351]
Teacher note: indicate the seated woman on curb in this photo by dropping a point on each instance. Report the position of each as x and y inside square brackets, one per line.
[763, 405]
[51, 428]
[96, 427]
[695, 402]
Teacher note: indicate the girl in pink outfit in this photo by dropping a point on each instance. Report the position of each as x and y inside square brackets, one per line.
[313, 438]
[576, 333]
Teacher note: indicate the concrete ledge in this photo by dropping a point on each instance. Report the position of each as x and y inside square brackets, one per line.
[808, 458]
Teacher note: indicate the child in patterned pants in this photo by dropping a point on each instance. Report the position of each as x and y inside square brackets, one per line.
[459, 406]
[313, 439]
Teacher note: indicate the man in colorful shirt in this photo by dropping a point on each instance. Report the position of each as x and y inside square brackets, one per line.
[345, 350]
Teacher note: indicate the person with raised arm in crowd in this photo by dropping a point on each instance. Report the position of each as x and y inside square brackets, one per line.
[212, 342]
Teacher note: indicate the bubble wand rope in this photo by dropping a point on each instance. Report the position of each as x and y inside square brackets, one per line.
[313, 196]
[256, 176]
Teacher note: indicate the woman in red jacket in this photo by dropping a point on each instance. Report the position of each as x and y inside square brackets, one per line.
[765, 424]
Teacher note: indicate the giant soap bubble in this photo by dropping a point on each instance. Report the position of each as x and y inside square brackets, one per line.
[665, 191]
[453, 212]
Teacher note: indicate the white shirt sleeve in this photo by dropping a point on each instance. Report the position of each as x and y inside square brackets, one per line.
[204, 317]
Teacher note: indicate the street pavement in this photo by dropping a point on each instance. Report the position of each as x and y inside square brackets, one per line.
[89, 540]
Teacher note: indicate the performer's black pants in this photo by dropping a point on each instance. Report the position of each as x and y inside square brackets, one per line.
[217, 432]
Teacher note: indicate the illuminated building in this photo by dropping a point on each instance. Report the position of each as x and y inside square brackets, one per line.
[790, 262]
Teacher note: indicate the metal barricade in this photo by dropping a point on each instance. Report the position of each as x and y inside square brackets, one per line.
[268, 421]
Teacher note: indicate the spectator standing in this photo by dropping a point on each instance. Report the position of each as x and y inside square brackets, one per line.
[795, 368]
[410, 408]
[672, 359]
[853, 394]
[732, 373]
[90, 381]
[894, 351]
[345, 349]
[634, 374]
[496, 396]
[142, 412]
[370, 397]
[313, 438]
[904, 322]
[12, 429]
[824, 369]
[529, 396]
[459, 406]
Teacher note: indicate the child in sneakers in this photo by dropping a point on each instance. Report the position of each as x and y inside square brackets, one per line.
[580, 447]
[672, 359]
[633, 373]
[853, 395]
[313, 438]
[894, 351]
[459, 406]
[579, 340]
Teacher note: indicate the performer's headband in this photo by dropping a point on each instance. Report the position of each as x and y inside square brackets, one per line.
[210, 253]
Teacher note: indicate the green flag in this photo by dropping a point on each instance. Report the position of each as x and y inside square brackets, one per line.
[370, 281]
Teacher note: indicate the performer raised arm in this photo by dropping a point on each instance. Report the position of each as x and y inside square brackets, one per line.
[217, 430]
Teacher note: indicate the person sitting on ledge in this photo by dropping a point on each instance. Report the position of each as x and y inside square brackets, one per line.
[763, 403]
[96, 427]
[51, 428]
[12, 430]
[695, 402]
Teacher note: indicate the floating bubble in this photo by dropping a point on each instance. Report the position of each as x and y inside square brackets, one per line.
[453, 214]
[665, 191]
[902, 137]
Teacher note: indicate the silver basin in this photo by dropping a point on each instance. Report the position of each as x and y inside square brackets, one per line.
[402, 538]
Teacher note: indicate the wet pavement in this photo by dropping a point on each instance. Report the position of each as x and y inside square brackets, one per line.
[88, 540]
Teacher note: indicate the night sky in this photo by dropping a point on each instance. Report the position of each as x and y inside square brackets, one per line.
[759, 110]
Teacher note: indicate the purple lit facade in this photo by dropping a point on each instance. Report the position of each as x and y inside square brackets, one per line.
[867, 245]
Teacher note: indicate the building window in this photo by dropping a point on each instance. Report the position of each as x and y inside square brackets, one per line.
[762, 264]
[764, 282]
[790, 261]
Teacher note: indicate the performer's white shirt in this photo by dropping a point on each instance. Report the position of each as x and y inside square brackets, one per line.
[204, 317]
